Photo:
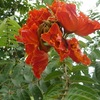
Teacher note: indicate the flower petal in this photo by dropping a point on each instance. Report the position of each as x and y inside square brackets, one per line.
[85, 60]
[75, 52]
[56, 5]
[39, 60]
[74, 22]
[37, 16]
[68, 17]
[28, 35]
[86, 26]
[54, 38]
[29, 48]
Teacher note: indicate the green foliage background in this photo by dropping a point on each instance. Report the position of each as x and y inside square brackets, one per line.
[61, 80]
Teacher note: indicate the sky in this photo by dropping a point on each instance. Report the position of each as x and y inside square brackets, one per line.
[87, 4]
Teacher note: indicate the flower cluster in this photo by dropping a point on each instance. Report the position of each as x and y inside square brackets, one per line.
[49, 27]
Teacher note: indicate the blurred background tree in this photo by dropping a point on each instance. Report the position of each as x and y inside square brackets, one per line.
[69, 82]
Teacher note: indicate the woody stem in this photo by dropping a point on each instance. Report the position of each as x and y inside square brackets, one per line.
[66, 83]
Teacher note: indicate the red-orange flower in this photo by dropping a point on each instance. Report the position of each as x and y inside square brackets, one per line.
[37, 16]
[75, 52]
[75, 22]
[28, 34]
[54, 38]
[46, 28]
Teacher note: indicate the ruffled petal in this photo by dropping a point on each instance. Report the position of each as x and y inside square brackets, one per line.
[38, 60]
[68, 17]
[74, 21]
[75, 52]
[54, 38]
[86, 26]
[38, 16]
[28, 35]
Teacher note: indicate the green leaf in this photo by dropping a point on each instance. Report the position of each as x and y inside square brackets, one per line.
[97, 71]
[53, 75]
[96, 53]
[4, 90]
[88, 38]
[28, 74]
[78, 94]
[2, 78]
[83, 79]
[3, 41]
[44, 85]
[40, 6]
[55, 63]
[2, 26]
[14, 23]
[3, 62]
[17, 70]
[81, 92]
[82, 44]
[69, 65]
[7, 67]
[23, 94]
[85, 88]
[18, 80]
[2, 3]
[53, 91]
[35, 92]
[48, 1]
[8, 29]
[79, 68]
